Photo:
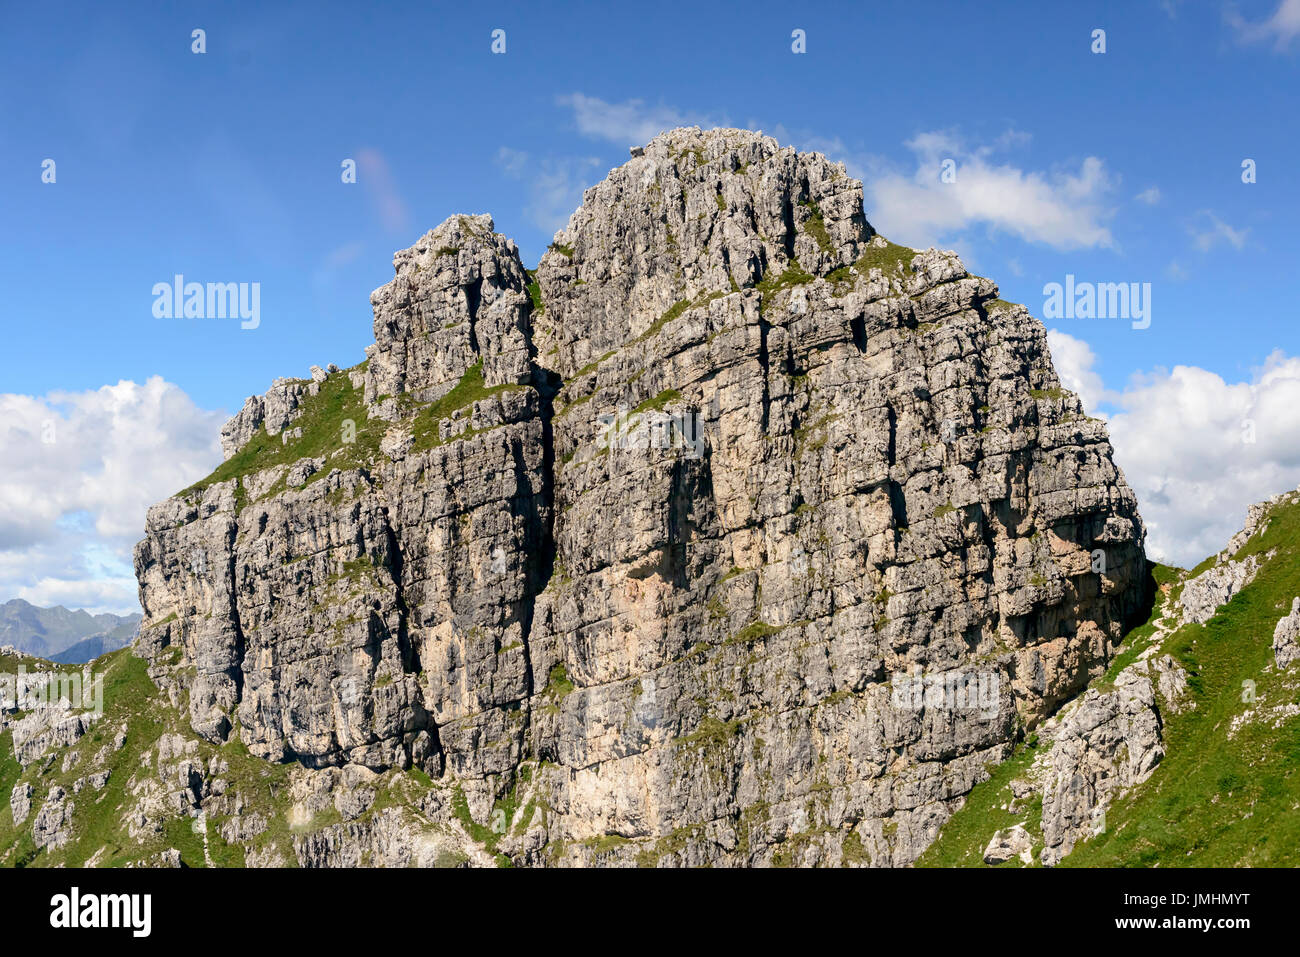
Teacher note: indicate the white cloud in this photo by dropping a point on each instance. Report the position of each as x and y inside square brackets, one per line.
[1195, 448]
[555, 184]
[1073, 359]
[1065, 209]
[630, 123]
[1150, 195]
[81, 469]
[1207, 237]
[1281, 27]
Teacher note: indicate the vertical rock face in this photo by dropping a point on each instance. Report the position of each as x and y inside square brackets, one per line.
[1286, 636]
[747, 537]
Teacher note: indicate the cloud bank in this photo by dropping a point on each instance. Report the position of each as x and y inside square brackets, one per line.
[1196, 448]
[81, 469]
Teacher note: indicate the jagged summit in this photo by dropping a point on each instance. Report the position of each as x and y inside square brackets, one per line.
[694, 213]
[649, 538]
[460, 297]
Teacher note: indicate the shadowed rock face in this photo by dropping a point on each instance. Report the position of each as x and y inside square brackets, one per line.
[719, 535]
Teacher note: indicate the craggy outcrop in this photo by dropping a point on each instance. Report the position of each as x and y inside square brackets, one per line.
[1205, 594]
[1286, 636]
[1108, 744]
[737, 533]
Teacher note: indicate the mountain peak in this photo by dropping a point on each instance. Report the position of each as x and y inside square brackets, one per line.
[689, 504]
[697, 212]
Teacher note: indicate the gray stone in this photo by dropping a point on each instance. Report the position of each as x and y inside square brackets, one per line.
[1008, 844]
[20, 802]
[51, 826]
[1108, 743]
[1205, 594]
[1286, 636]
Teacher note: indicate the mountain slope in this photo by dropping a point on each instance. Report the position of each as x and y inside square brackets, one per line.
[1226, 789]
[88, 649]
[48, 632]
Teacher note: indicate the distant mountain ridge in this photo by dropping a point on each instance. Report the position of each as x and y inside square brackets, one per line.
[62, 634]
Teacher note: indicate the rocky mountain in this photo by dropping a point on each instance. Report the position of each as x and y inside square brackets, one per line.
[88, 649]
[733, 534]
[60, 632]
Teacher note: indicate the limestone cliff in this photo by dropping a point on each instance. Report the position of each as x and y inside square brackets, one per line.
[673, 551]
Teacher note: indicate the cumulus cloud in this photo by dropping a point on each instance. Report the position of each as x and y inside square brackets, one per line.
[81, 468]
[1064, 208]
[1196, 448]
[1209, 230]
[1150, 196]
[630, 123]
[1074, 359]
[555, 184]
[1280, 28]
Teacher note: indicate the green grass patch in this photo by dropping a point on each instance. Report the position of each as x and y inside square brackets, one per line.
[557, 682]
[815, 226]
[962, 841]
[889, 259]
[657, 403]
[336, 413]
[470, 389]
[535, 292]
[771, 283]
[591, 366]
[675, 310]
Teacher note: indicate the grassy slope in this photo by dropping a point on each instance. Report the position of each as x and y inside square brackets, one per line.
[99, 822]
[324, 420]
[1213, 800]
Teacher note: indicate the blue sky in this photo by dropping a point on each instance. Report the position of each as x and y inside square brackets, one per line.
[1123, 166]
